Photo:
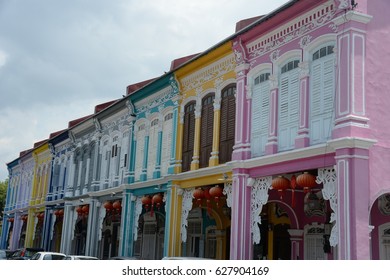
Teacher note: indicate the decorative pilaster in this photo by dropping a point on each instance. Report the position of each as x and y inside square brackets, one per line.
[241, 149]
[240, 240]
[214, 159]
[351, 118]
[272, 143]
[198, 115]
[172, 161]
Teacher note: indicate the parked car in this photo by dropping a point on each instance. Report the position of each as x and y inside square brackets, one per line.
[24, 253]
[48, 256]
[85, 258]
[124, 258]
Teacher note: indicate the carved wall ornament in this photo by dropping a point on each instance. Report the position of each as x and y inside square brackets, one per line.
[305, 40]
[186, 207]
[174, 85]
[274, 55]
[384, 204]
[328, 178]
[343, 4]
[259, 197]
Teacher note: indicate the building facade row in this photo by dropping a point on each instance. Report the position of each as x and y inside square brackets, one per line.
[272, 144]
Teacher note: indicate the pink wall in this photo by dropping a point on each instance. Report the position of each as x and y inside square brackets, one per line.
[378, 93]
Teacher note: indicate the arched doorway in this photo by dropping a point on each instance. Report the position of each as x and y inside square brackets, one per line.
[80, 236]
[151, 231]
[380, 222]
[110, 235]
[275, 243]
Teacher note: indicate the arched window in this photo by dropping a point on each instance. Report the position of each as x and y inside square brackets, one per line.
[288, 105]
[188, 135]
[322, 89]
[228, 123]
[260, 114]
[206, 131]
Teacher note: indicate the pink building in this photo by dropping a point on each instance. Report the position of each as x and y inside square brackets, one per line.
[311, 158]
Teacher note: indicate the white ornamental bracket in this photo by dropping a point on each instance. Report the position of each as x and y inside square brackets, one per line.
[137, 213]
[328, 177]
[227, 190]
[185, 210]
[259, 197]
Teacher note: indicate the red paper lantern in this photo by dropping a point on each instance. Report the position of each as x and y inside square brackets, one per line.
[216, 192]
[157, 200]
[85, 209]
[280, 184]
[56, 212]
[108, 206]
[198, 195]
[61, 212]
[79, 210]
[117, 205]
[208, 197]
[146, 202]
[306, 181]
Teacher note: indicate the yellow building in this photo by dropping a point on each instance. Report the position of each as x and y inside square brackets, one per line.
[200, 219]
[42, 157]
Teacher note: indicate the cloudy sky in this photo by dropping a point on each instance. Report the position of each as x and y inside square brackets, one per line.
[58, 59]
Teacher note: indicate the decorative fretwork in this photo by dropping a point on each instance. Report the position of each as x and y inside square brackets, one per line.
[327, 176]
[259, 197]
[137, 213]
[185, 210]
[102, 214]
[227, 190]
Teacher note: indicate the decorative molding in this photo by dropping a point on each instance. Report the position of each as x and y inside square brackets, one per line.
[305, 40]
[213, 71]
[296, 28]
[328, 177]
[174, 85]
[274, 56]
[259, 197]
[158, 98]
[185, 210]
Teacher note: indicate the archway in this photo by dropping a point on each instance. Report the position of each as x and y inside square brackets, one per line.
[275, 239]
[380, 222]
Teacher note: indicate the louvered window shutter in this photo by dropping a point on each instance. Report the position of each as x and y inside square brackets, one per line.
[228, 123]
[288, 109]
[260, 117]
[321, 98]
[188, 135]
